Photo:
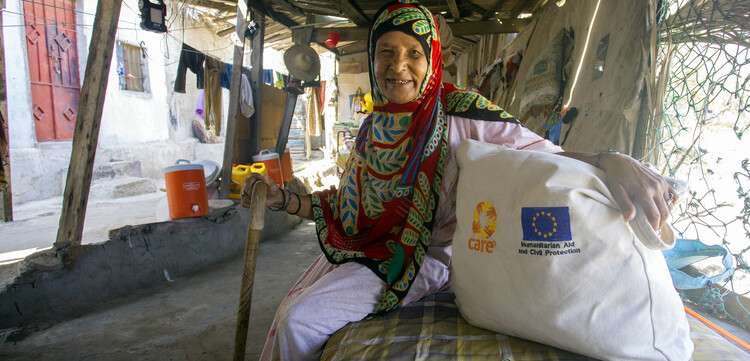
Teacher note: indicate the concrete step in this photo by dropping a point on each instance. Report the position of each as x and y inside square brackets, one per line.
[109, 170]
[121, 187]
[117, 169]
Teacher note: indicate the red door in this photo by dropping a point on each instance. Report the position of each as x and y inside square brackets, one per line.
[53, 67]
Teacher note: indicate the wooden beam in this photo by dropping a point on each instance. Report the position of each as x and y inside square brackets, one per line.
[493, 9]
[226, 31]
[6, 203]
[302, 36]
[359, 34]
[86, 133]
[521, 7]
[353, 48]
[235, 88]
[288, 6]
[474, 7]
[489, 27]
[215, 5]
[256, 59]
[454, 10]
[319, 35]
[281, 19]
[353, 13]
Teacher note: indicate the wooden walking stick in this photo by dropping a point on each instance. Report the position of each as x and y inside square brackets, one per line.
[254, 226]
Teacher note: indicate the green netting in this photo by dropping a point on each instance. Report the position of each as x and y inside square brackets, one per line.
[698, 129]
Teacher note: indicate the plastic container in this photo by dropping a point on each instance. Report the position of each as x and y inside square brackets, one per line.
[259, 168]
[286, 166]
[239, 174]
[186, 190]
[273, 165]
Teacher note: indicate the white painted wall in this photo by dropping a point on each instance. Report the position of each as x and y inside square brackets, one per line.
[153, 128]
[131, 117]
[20, 126]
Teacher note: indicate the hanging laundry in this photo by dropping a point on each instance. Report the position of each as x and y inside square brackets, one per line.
[322, 96]
[189, 59]
[268, 77]
[212, 94]
[199, 106]
[279, 80]
[313, 112]
[247, 107]
[226, 76]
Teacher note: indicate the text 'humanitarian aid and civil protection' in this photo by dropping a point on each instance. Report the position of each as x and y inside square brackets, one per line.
[546, 230]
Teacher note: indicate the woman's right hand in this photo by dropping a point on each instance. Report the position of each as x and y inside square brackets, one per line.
[274, 197]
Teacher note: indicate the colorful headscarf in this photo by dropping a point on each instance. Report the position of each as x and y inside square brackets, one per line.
[382, 213]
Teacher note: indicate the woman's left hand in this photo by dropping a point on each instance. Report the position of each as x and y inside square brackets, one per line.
[630, 181]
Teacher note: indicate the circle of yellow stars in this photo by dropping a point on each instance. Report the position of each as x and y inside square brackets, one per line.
[547, 214]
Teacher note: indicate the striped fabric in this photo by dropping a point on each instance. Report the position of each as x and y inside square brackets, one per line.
[433, 329]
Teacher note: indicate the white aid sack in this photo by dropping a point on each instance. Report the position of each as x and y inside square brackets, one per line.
[541, 252]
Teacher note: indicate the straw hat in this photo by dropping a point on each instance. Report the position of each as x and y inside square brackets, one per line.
[302, 62]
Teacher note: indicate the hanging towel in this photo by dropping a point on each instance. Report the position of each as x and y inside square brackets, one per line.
[189, 59]
[268, 76]
[226, 76]
[313, 112]
[247, 107]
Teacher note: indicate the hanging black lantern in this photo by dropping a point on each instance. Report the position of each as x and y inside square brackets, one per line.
[153, 13]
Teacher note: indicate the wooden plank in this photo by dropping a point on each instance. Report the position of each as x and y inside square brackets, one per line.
[256, 123]
[303, 36]
[286, 122]
[353, 48]
[454, 10]
[235, 89]
[490, 13]
[86, 134]
[359, 34]
[353, 13]
[489, 27]
[212, 5]
[523, 6]
[6, 203]
[320, 35]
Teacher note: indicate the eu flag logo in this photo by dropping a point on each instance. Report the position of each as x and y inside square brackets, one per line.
[546, 224]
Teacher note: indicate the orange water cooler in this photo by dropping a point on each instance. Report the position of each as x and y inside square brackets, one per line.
[186, 190]
[272, 163]
[286, 166]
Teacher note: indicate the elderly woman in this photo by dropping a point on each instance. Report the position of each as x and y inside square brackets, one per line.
[386, 231]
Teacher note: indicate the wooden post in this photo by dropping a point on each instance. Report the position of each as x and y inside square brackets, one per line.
[6, 203]
[303, 36]
[86, 134]
[256, 122]
[235, 89]
[286, 122]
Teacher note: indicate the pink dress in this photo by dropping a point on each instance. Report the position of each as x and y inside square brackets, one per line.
[328, 296]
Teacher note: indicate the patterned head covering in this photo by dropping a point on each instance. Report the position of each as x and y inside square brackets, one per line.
[382, 213]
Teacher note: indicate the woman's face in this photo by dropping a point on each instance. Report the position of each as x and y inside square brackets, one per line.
[400, 66]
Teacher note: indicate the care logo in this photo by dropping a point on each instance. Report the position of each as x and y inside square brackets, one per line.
[483, 225]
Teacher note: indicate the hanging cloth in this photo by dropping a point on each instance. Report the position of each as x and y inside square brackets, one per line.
[189, 59]
[313, 112]
[212, 94]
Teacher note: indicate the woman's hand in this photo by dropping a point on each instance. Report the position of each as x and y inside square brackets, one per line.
[274, 198]
[628, 180]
